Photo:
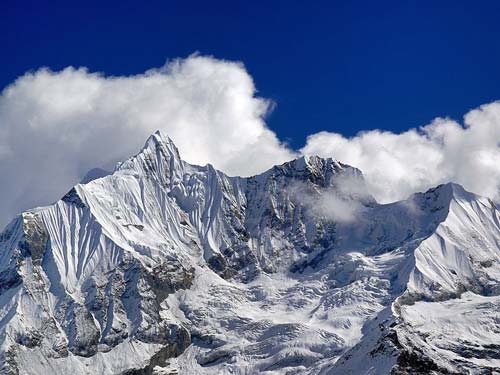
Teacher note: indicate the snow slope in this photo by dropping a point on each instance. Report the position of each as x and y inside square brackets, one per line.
[166, 267]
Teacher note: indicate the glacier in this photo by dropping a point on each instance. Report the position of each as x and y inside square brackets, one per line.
[163, 267]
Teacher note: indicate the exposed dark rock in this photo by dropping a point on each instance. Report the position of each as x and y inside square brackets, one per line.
[73, 198]
[177, 343]
[415, 363]
[35, 238]
[168, 277]
[83, 334]
[29, 339]
[9, 279]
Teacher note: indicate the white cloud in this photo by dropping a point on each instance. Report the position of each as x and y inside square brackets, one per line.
[55, 126]
[342, 201]
[396, 165]
[325, 202]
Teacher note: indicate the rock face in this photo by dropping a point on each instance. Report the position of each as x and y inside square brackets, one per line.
[163, 267]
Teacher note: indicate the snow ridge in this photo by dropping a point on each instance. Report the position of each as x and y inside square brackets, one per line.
[166, 267]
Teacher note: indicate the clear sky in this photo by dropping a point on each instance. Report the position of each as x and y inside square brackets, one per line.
[340, 66]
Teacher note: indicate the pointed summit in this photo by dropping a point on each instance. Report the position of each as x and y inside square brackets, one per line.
[443, 195]
[159, 159]
[159, 140]
[147, 262]
[323, 172]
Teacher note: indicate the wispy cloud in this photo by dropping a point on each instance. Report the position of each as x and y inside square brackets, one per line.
[342, 202]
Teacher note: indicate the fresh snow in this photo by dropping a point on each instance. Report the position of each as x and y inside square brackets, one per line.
[165, 267]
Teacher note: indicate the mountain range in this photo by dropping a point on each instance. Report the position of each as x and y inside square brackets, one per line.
[163, 267]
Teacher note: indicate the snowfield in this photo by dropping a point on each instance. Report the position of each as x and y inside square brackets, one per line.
[163, 267]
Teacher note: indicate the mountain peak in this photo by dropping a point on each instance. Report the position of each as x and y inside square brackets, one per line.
[458, 191]
[164, 255]
[308, 164]
[159, 158]
[323, 172]
[161, 140]
[445, 193]
[312, 161]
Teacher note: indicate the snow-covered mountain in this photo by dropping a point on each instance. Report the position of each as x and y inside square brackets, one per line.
[169, 268]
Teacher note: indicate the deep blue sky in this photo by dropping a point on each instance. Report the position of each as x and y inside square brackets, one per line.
[341, 66]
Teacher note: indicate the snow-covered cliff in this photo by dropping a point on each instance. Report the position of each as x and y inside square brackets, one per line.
[166, 267]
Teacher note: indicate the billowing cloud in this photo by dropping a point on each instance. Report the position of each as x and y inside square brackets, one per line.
[55, 126]
[396, 165]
